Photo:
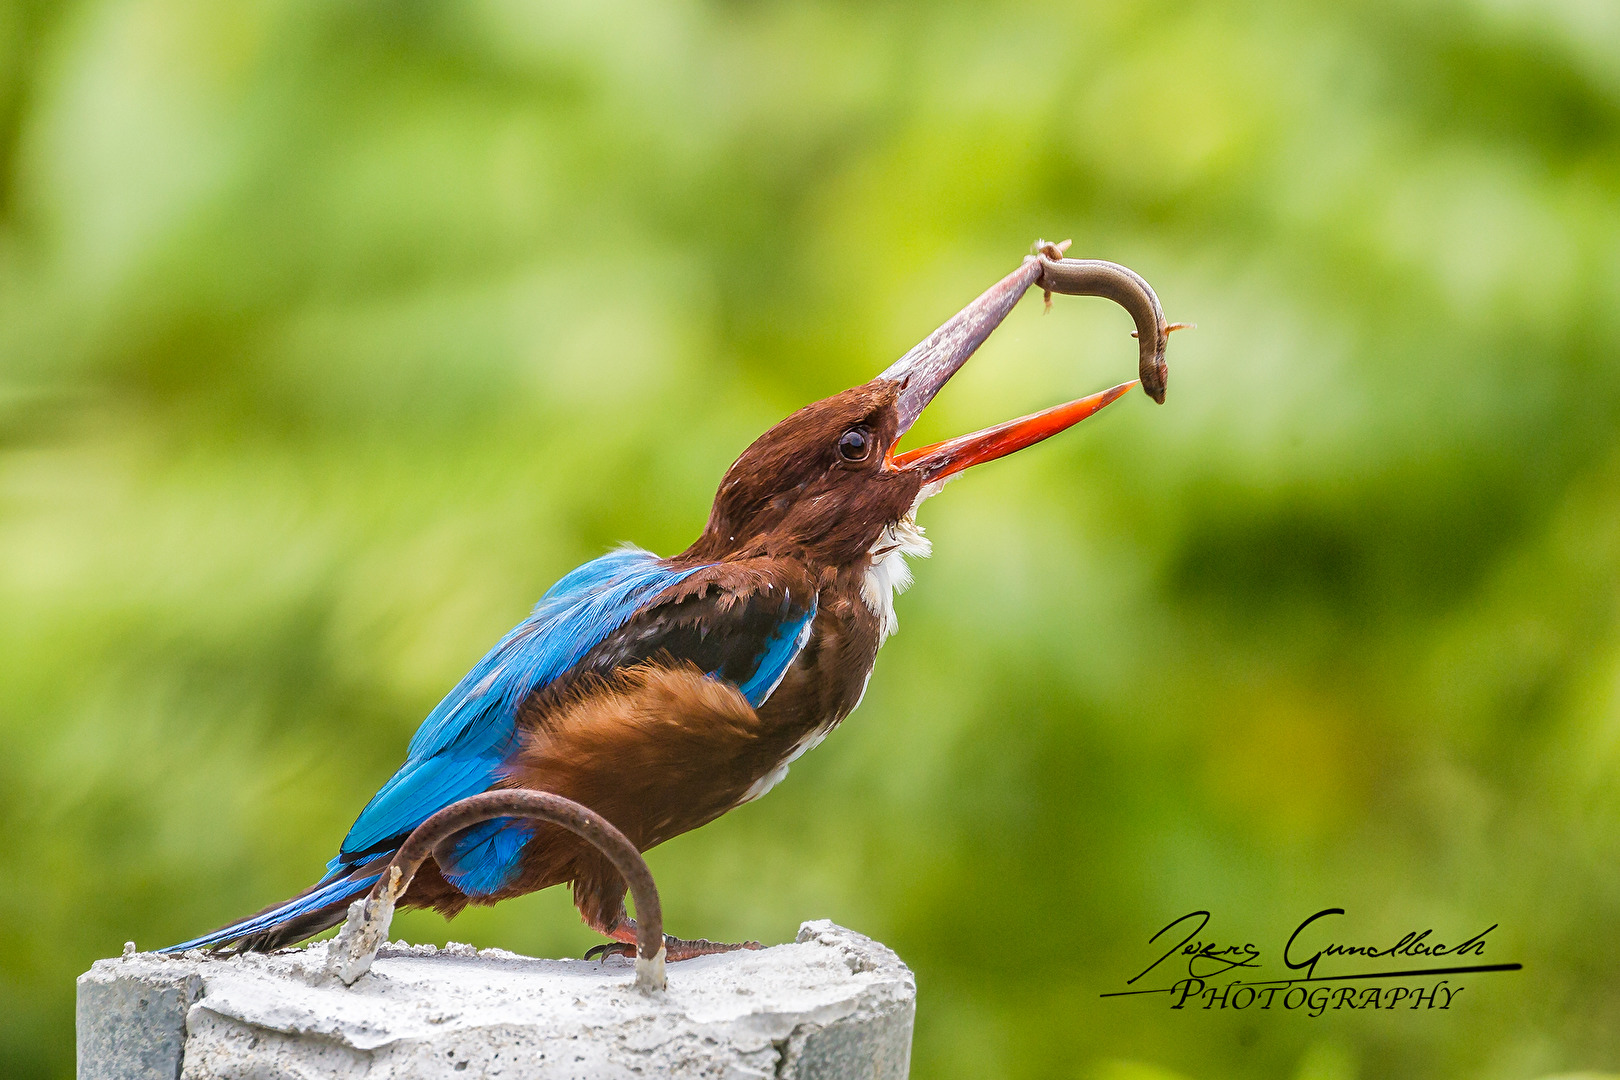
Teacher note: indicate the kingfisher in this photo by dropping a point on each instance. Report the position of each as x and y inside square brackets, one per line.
[663, 692]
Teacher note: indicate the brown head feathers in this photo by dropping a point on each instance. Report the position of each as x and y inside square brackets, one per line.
[816, 487]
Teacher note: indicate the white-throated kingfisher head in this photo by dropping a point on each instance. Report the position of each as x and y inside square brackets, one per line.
[828, 483]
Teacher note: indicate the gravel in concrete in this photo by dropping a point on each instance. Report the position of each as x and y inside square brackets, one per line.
[832, 1004]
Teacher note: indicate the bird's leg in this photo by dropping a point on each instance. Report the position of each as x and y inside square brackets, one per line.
[623, 934]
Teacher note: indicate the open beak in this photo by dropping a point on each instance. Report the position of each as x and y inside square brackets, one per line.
[945, 459]
[924, 371]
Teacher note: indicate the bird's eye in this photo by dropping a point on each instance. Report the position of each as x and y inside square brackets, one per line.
[854, 444]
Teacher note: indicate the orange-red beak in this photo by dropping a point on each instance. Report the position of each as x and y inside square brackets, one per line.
[944, 459]
[928, 366]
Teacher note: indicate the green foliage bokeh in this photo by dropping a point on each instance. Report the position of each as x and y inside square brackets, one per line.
[332, 333]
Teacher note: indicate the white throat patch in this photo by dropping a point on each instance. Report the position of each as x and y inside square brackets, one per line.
[889, 576]
[885, 579]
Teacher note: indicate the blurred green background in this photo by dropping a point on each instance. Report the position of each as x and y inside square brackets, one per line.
[331, 333]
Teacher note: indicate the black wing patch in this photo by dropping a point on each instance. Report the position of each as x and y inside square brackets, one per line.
[747, 641]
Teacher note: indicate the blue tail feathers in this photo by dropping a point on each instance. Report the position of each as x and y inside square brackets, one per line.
[300, 909]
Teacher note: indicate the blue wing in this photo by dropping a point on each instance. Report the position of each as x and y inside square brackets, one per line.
[463, 746]
[752, 648]
[460, 748]
[748, 638]
[597, 617]
[781, 645]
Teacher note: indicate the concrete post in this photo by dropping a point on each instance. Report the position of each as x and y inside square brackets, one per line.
[833, 1004]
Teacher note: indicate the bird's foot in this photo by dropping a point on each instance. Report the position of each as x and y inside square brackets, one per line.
[675, 948]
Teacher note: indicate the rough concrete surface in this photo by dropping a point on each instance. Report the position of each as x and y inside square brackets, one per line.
[832, 1004]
